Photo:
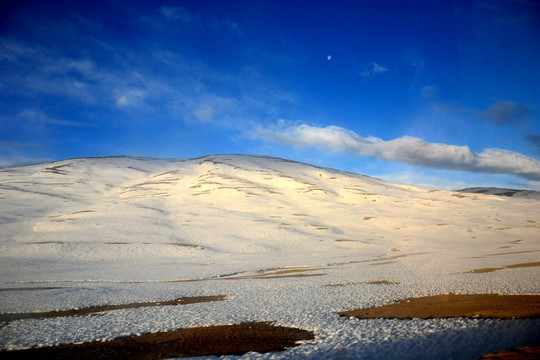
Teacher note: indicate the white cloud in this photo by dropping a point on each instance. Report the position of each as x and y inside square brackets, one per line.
[122, 100]
[406, 149]
[130, 97]
[41, 71]
[373, 69]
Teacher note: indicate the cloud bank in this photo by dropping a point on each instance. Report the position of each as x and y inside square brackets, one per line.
[505, 112]
[534, 140]
[406, 149]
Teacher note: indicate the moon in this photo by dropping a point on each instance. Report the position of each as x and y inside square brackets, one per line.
[329, 57]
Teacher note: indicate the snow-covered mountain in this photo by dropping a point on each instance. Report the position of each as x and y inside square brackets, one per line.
[295, 242]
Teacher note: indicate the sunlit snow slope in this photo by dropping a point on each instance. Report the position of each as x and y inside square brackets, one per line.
[137, 220]
[140, 216]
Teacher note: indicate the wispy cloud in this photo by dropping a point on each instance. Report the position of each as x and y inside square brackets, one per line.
[177, 13]
[37, 116]
[130, 97]
[205, 113]
[35, 70]
[505, 113]
[113, 78]
[373, 69]
[180, 15]
[406, 149]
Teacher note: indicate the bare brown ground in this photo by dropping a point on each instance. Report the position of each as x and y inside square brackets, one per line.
[383, 282]
[374, 282]
[277, 273]
[35, 288]
[514, 266]
[99, 309]
[518, 353]
[281, 273]
[276, 276]
[202, 341]
[452, 305]
[390, 258]
[384, 263]
[512, 253]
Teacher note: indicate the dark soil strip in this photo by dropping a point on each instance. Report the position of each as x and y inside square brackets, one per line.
[279, 273]
[32, 288]
[518, 353]
[382, 282]
[102, 308]
[452, 305]
[514, 266]
[203, 341]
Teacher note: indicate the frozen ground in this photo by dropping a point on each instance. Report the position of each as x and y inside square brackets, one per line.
[284, 241]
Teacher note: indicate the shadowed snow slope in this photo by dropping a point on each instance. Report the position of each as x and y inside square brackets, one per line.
[182, 227]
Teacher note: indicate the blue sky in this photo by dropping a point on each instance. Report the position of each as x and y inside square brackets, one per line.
[438, 93]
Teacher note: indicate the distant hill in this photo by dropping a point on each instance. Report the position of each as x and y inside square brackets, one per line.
[526, 194]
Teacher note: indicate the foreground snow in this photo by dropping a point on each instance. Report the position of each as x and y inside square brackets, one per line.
[99, 231]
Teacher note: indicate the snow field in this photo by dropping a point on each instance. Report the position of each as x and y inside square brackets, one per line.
[121, 230]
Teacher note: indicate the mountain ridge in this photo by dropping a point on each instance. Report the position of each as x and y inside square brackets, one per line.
[498, 191]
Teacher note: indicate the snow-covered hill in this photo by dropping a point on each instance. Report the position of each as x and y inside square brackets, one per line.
[285, 241]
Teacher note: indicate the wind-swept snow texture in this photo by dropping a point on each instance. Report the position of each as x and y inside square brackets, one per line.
[285, 241]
